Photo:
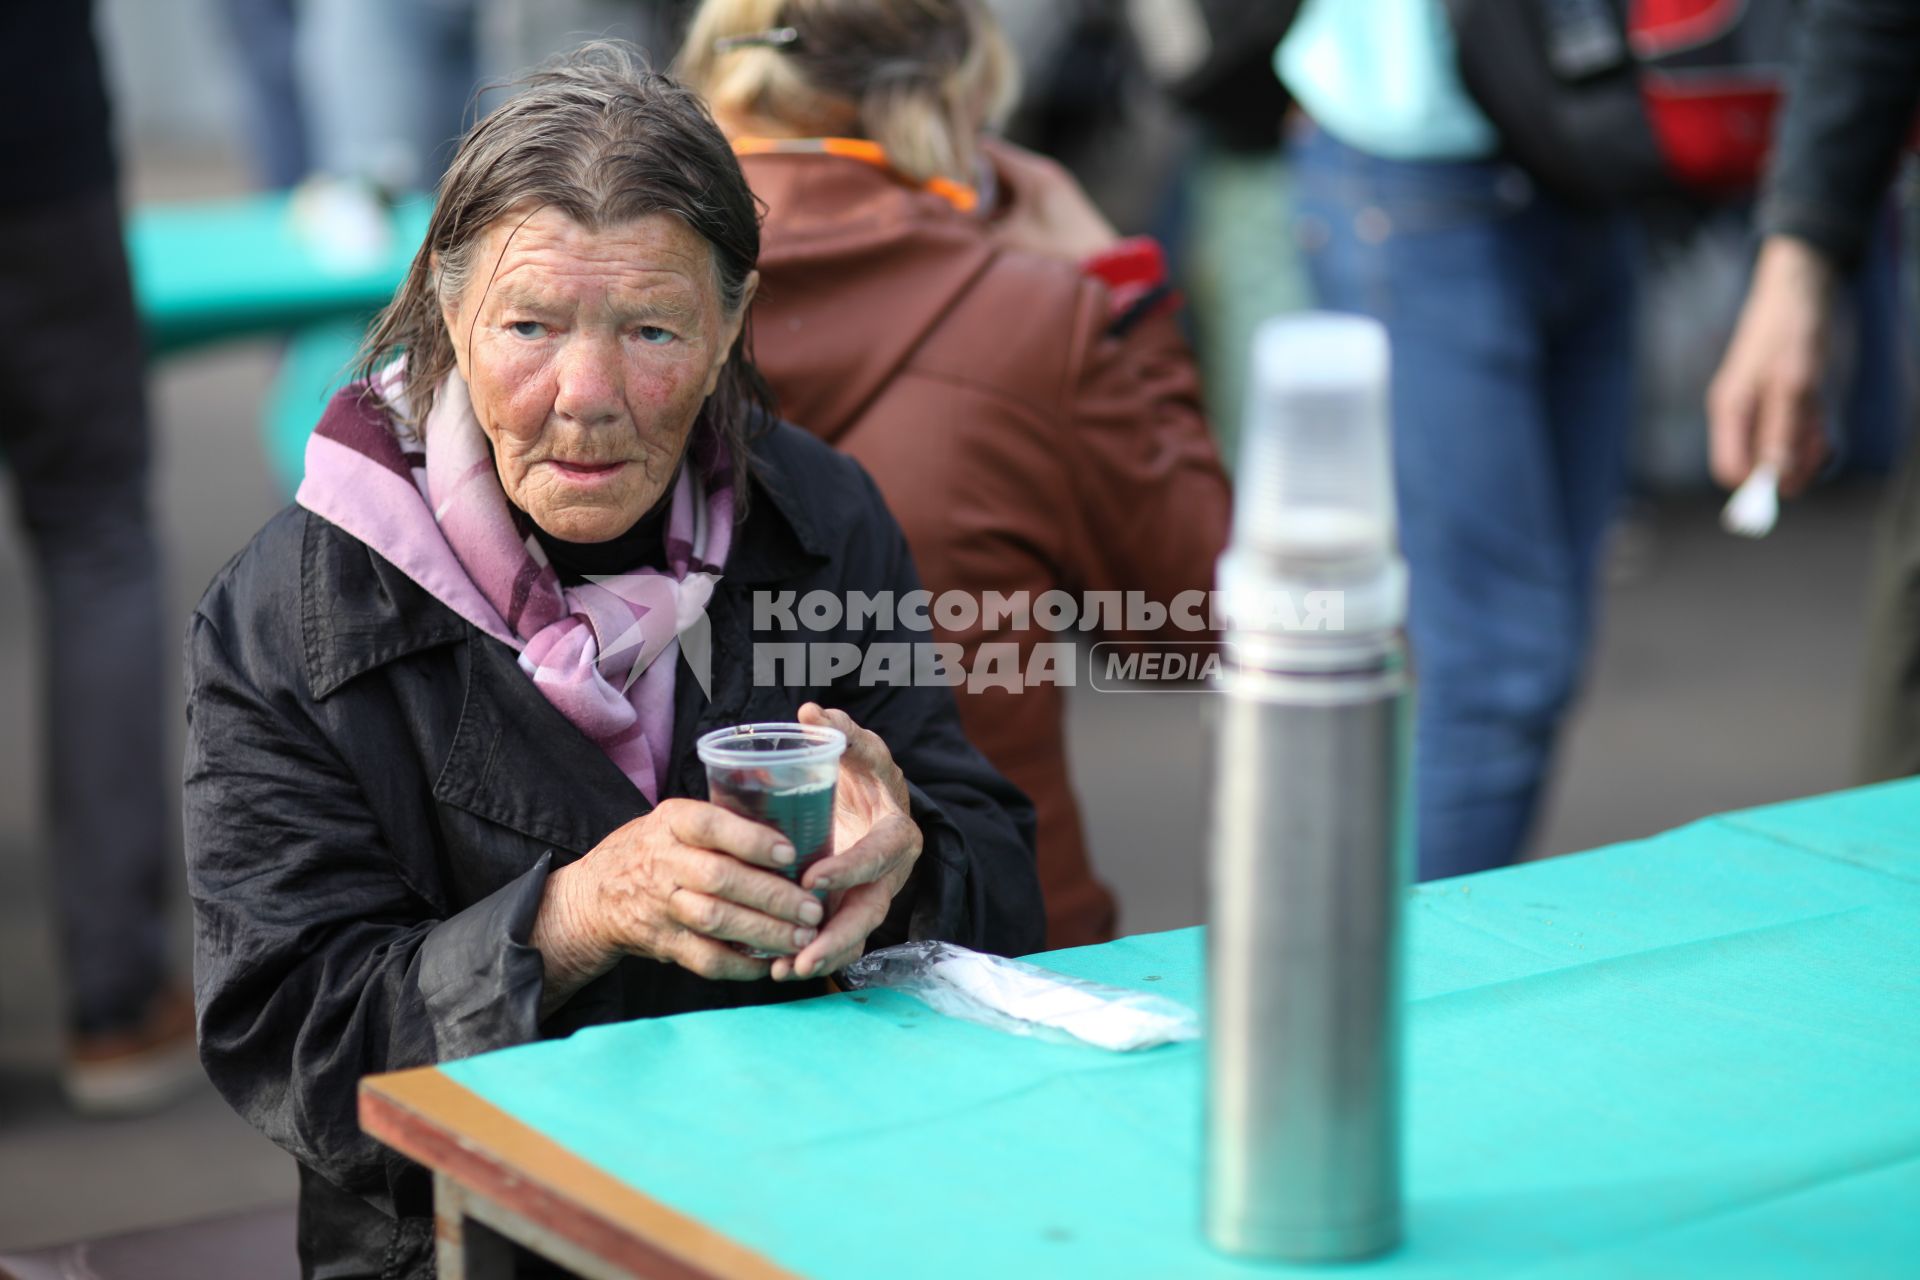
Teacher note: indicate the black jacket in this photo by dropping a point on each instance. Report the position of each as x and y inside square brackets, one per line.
[375, 795]
[1850, 106]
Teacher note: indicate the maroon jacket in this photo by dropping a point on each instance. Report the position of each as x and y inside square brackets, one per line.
[1024, 442]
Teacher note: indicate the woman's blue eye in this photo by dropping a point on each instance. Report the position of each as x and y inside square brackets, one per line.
[527, 328]
[655, 335]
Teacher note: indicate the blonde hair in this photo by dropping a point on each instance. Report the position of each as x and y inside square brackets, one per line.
[920, 77]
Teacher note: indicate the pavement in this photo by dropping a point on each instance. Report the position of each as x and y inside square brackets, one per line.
[1725, 676]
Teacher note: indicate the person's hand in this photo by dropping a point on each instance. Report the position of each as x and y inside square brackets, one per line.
[682, 883]
[875, 842]
[1046, 210]
[1764, 404]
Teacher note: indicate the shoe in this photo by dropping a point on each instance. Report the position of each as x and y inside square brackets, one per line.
[136, 1069]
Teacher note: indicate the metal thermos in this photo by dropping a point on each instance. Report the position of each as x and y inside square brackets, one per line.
[1312, 826]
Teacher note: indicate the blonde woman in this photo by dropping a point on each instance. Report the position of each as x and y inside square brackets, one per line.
[955, 314]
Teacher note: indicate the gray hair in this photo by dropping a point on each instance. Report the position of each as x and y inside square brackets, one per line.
[604, 139]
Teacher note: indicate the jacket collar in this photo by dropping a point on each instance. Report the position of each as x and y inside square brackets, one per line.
[780, 538]
[958, 194]
[516, 761]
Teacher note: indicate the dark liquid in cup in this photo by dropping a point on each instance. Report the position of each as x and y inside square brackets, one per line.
[804, 815]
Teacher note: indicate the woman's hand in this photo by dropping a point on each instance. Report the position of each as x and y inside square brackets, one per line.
[875, 841]
[682, 884]
[1764, 404]
[1046, 210]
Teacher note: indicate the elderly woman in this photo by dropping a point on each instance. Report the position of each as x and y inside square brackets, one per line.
[955, 314]
[440, 761]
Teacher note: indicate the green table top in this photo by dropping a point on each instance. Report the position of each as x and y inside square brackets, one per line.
[223, 269]
[1695, 1054]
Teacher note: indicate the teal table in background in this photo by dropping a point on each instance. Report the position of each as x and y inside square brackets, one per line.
[318, 361]
[220, 270]
[1697, 1054]
[210, 271]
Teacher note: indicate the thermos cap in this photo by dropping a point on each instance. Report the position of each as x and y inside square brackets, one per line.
[1315, 511]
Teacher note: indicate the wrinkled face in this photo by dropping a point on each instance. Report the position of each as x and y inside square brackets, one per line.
[588, 358]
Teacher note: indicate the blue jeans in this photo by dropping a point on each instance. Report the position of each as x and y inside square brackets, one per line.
[386, 85]
[263, 36]
[1510, 319]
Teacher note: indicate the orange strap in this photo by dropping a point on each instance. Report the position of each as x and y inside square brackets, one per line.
[957, 194]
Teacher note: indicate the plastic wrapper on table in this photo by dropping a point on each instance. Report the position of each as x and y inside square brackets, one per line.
[1024, 999]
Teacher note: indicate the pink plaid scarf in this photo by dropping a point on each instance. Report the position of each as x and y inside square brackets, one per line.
[434, 508]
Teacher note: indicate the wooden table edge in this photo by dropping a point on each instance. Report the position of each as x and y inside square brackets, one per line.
[426, 1115]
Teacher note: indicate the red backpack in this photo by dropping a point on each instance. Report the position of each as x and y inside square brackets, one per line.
[1712, 76]
[1605, 100]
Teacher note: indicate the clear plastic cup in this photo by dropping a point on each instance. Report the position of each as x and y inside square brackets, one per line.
[782, 775]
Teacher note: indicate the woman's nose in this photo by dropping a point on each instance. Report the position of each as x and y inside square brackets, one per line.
[589, 390]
